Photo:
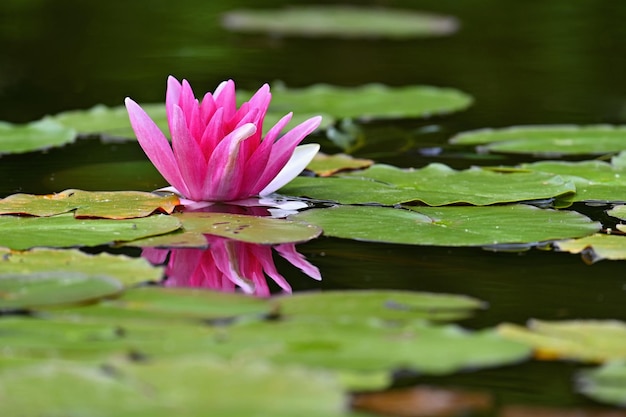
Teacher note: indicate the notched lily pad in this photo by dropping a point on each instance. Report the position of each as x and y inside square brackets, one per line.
[38, 135]
[583, 340]
[548, 140]
[103, 204]
[252, 229]
[326, 165]
[36, 261]
[341, 22]
[64, 230]
[596, 247]
[450, 226]
[435, 185]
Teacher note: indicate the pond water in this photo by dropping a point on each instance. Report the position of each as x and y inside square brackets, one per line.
[524, 63]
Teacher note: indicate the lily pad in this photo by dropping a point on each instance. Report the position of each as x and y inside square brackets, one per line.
[44, 289]
[123, 268]
[370, 101]
[104, 204]
[64, 230]
[191, 386]
[341, 22]
[435, 185]
[618, 211]
[582, 340]
[606, 383]
[449, 226]
[38, 135]
[596, 247]
[251, 229]
[327, 165]
[378, 305]
[548, 140]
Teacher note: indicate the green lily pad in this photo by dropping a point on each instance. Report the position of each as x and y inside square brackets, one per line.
[110, 121]
[252, 229]
[594, 180]
[104, 204]
[123, 268]
[38, 135]
[434, 185]
[43, 289]
[548, 140]
[582, 340]
[64, 230]
[596, 247]
[340, 22]
[606, 383]
[327, 165]
[191, 386]
[449, 226]
[378, 305]
[371, 101]
[618, 211]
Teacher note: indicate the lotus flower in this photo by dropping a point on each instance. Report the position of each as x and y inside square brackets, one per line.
[218, 152]
[228, 265]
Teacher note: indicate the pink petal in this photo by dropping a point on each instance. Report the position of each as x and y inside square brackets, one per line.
[264, 255]
[213, 133]
[172, 97]
[288, 251]
[155, 145]
[188, 154]
[225, 97]
[301, 157]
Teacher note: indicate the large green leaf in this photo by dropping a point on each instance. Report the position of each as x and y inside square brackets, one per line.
[450, 226]
[340, 22]
[105, 204]
[42, 134]
[187, 386]
[434, 185]
[548, 140]
[42, 289]
[583, 340]
[64, 230]
[37, 261]
[606, 383]
[252, 229]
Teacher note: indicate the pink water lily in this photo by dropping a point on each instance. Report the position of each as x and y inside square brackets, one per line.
[218, 152]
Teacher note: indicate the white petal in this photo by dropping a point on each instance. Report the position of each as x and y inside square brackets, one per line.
[301, 157]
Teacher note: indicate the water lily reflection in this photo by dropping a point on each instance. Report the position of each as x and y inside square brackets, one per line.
[228, 265]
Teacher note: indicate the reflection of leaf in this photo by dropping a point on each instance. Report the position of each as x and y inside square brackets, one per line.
[252, 229]
[450, 226]
[606, 384]
[340, 22]
[64, 230]
[548, 140]
[327, 165]
[123, 268]
[596, 247]
[104, 204]
[42, 134]
[191, 386]
[584, 340]
[434, 185]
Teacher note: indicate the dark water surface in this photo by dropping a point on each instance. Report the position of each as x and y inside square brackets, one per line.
[525, 62]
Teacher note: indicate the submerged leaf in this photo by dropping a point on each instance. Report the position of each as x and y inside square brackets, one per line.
[327, 165]
[340, 22]
[104, 204]
[38, 135]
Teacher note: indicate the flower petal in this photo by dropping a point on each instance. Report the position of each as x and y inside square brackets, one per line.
[301, 157]
[288, 251]
[191, 160]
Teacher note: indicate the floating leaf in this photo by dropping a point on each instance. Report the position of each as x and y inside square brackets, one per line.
[64, 230]
[549, 140]
[340, 22]
[43, 289]
[42, 134]
[618, 211]
[371, 101]
[105, 204]
[252, 229]
[596, 247]
[434, 185]
[378, 305]
[190, 386]
[36, 261]
[606, 384]
[449, 226]
[327, 165]
[583, 340]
